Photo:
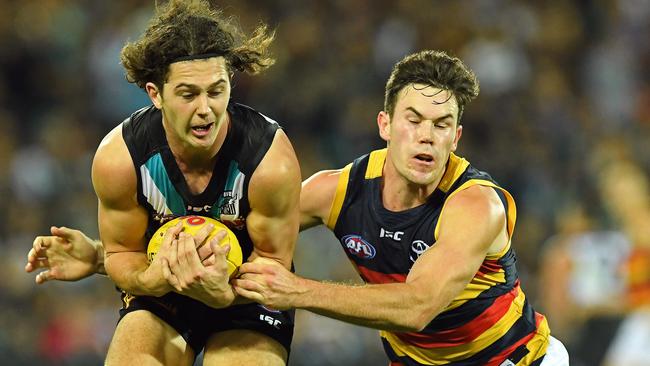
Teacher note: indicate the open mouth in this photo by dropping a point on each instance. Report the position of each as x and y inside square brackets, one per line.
[426, 158]
[200, 128]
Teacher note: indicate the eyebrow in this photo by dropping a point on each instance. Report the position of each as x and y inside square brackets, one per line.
[448, 115]
[193, 86]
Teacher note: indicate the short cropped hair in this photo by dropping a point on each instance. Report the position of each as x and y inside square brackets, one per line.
[182, 29]
[433, 68]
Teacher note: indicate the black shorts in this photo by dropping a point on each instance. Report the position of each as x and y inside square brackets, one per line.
[196, 322]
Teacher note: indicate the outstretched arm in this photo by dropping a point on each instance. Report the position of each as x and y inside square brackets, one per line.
[66, 255]
[409, 306]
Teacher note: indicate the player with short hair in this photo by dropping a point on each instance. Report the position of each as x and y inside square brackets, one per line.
[428, 233]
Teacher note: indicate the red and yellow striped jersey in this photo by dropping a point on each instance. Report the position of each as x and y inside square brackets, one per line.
[488, 322]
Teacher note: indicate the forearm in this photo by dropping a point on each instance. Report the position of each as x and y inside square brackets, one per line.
[390, 307]
[128, 271]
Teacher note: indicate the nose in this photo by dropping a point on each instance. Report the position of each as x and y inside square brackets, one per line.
[203, 109]
[425, 132]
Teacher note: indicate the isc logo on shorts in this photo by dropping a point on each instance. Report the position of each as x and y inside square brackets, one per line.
[358, 247]
[271, 320]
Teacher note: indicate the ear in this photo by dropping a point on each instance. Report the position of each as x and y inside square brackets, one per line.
[459, 133]
[383, 122]
[154, 94]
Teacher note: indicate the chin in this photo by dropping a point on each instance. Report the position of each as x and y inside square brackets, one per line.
[421, 179]
[204, 142]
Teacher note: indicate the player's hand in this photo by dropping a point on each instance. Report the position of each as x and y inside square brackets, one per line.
[269, 283]
[206, 281]
[66, 255]
[153, 278]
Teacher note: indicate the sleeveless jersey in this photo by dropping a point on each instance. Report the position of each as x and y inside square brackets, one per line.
[162, 188]
[489, 322]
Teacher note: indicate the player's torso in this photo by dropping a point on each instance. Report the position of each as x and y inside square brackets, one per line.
[384, 244]
[487, 321]
[163, 189]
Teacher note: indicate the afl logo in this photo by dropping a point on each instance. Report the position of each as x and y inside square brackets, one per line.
[358, 247]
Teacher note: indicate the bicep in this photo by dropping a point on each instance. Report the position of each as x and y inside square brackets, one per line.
[274, 194]
[470, 224]
[122, 230]
[122, 221]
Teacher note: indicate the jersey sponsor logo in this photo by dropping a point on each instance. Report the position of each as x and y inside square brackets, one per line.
[395, 235]
[417, 248]
[358, 247]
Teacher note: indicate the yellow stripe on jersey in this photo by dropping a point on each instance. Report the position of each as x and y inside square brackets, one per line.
[376, 164]
[444, 355]
[539, 343]
[476, 286]
[455, 168]
[339, 196]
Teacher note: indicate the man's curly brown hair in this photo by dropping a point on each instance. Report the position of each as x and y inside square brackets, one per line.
[186, 28]
[432, 68]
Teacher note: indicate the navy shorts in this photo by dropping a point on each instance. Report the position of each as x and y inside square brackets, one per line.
[196, 322]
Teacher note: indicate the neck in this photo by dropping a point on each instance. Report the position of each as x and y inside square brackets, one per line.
[399, 194]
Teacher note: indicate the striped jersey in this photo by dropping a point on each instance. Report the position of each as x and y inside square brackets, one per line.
[162, 188]
[489, 323]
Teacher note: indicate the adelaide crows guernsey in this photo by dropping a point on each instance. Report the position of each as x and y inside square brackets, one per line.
[162, 188]
[489, 323]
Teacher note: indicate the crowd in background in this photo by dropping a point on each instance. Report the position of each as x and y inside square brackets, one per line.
[562, 122]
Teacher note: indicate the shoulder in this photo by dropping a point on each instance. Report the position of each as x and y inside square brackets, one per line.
[113, 172]
[478, 207]
[477, 199]
[278, 174]
[279, 163]
[322, 184]
[317, 197]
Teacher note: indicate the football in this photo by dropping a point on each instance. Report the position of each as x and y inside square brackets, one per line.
[191, 225]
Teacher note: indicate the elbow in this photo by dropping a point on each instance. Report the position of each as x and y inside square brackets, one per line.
[423, 320]
[423, 311]
[418, 321]
[110, 268]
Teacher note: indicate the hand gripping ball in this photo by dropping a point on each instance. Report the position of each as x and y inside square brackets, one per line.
[191, 225]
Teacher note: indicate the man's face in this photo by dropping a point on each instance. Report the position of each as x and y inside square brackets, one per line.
[421, 133]
[194, 100]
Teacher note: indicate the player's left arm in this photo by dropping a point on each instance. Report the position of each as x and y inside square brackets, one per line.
[472, 222]
[274, 195]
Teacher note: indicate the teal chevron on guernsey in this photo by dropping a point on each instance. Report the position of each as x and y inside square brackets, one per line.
[158, 188]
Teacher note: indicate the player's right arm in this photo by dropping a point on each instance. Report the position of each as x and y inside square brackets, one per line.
[122, 221]
[316, 198]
